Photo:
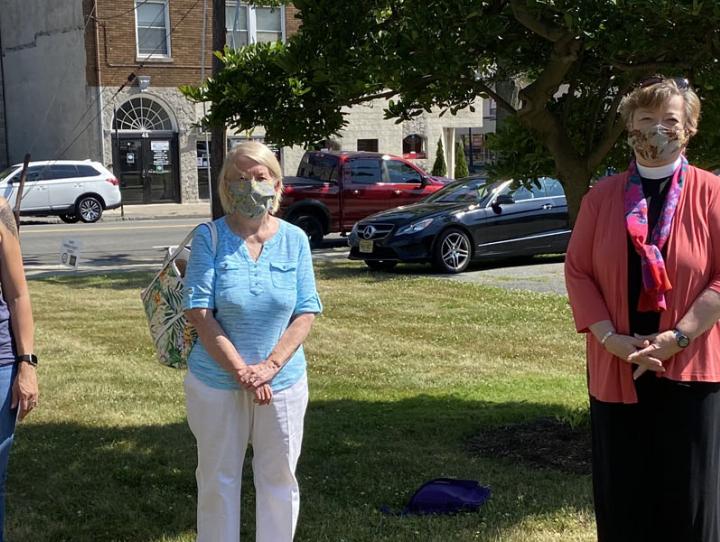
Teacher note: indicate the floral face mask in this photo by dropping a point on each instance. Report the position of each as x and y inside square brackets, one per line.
[658, 142]
[252, 198]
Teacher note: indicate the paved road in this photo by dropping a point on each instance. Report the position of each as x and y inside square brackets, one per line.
[141, 245]
[110, 246]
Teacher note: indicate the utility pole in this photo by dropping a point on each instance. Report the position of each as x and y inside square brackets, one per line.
[217, 150]
[21, 190]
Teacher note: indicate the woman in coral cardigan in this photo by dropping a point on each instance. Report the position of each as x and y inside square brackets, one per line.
[643, 278]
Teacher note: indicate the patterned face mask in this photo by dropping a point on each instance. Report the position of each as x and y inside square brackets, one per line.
[252, 198]
[657, 143]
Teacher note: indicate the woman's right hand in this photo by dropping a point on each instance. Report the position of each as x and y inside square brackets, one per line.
[622, 346]
[263, 395]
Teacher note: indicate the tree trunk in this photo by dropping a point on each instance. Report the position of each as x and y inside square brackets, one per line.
[217, 150]
[576, 186]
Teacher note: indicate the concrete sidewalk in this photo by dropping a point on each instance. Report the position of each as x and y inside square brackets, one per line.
[158, 210]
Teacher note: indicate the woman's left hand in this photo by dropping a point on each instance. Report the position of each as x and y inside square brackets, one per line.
[262, 373]
[663, 346]
[25, 390]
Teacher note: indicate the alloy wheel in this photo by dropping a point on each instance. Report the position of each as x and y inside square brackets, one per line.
[455, 250]
[89, 209]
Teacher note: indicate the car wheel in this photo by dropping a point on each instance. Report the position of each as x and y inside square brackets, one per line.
[312, 227]
[89, 209]
[69, 218]
[381, 265]
[453, 251]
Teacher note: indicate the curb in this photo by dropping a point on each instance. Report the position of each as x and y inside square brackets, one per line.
[152, 217]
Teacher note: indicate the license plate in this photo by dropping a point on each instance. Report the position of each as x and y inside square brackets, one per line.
[366, 245]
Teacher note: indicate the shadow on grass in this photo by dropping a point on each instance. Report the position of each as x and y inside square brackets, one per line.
[80, 483]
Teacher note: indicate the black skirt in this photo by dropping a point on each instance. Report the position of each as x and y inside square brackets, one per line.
[656, 475]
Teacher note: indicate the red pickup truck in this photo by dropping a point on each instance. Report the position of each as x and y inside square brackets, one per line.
[335, 189]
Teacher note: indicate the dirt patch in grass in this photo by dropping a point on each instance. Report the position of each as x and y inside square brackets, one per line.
[542, 443]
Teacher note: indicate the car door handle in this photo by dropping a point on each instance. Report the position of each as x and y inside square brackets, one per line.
[356, 192]
[547, 206]
[397, 192]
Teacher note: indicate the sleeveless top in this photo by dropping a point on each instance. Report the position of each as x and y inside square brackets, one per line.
[8, 353]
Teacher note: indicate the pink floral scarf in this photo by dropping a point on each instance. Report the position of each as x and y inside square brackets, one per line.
[655, 281]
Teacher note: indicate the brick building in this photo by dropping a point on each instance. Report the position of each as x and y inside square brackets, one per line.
[69, 93]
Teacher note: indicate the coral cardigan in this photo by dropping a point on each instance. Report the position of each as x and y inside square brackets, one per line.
[596, 275]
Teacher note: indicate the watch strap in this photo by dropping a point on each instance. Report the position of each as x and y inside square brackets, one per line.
[28, 358]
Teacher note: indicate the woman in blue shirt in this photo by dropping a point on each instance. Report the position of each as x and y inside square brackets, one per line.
[251, 296]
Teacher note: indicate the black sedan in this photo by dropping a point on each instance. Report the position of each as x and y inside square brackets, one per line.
[470, 219]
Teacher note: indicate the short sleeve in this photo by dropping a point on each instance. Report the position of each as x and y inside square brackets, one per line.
[200, 274]
[308, 300]
[714, 225]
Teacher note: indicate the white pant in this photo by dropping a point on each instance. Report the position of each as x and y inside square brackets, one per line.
[223, 422]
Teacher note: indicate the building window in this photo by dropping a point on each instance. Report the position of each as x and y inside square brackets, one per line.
[253, 24]
[142, 114]
[367, 145]
[268, 25]
[152, 18]
[414, 146]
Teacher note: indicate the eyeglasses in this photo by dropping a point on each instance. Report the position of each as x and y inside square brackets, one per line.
[681, 82]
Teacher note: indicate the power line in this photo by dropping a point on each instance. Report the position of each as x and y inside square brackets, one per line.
[97, 96]
[130, 79]
[123, 14]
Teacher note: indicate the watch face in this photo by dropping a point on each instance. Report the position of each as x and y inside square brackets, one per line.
[681, 339]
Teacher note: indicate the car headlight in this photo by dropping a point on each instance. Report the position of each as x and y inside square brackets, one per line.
[415, 227]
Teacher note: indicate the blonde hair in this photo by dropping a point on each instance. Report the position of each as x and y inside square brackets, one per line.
[258, 153]
[655, 95]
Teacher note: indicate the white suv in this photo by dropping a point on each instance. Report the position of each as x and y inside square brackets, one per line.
[71, 189]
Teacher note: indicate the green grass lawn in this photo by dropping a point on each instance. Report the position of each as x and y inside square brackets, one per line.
[403, 372]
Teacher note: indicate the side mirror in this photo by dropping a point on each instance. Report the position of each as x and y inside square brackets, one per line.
[504, 199]
[424, 181]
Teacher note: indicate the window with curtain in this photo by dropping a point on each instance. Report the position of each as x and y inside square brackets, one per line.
[252, 24]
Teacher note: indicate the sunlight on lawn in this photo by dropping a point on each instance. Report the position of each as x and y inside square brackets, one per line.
[403, 371]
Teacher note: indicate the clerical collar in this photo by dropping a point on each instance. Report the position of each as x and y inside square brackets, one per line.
[659, 172]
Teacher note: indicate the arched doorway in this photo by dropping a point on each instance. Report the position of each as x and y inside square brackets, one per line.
[145, 152]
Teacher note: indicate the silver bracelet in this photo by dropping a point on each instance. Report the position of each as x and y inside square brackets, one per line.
[606, 337]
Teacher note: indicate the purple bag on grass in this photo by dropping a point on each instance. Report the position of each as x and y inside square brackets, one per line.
[446, 496]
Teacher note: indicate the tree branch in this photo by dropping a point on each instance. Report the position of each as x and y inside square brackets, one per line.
[653, 66]
[502, 102]
[605, 146]
[536, 95]
[369, 97]
[544, 29]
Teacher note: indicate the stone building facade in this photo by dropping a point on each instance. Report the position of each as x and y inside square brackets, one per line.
[99, 79]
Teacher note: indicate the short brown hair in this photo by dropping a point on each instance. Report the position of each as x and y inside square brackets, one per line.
[656, 94]
[258, 153]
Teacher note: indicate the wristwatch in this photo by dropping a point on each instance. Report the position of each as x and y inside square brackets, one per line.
[28, 358]
[681, 339]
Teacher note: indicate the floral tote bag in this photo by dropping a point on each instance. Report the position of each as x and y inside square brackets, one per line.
[171, 333]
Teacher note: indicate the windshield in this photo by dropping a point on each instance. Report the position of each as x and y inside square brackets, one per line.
[469, 190]
[9, 171]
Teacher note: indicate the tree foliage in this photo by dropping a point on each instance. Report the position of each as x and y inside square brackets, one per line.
[439, 168]
[575, 59]
[461, 167]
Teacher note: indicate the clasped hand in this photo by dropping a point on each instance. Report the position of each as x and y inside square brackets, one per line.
[256, 378]
[647, 351]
